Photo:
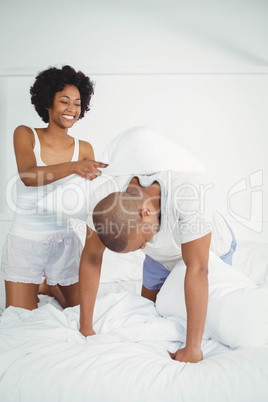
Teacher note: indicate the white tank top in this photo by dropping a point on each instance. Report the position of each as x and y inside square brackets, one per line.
[29, 222]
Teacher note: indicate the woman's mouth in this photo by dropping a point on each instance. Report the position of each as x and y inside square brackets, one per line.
[68, 117]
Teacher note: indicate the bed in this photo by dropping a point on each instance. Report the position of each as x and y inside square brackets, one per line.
[44, 357]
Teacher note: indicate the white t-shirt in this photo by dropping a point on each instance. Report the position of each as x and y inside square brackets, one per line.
[184, 215]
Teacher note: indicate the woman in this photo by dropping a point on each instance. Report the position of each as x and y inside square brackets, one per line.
[36, 245]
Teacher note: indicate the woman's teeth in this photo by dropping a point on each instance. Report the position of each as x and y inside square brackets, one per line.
[68, 117]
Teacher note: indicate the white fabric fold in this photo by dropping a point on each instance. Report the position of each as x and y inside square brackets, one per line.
[237, 312]
[43, 352]
[139, 150]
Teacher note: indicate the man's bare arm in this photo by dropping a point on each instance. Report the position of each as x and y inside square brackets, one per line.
[89, 278]
[195, 255]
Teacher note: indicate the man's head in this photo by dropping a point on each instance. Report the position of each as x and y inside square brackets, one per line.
[125, 222]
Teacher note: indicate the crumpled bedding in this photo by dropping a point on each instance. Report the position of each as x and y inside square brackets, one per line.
[44, 357]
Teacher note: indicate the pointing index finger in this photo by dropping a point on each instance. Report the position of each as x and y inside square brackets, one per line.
[100, 164]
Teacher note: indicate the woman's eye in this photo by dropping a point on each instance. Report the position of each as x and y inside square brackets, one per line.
[78, 105]
[64, 102]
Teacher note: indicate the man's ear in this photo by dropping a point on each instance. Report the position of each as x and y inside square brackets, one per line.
[144, 212]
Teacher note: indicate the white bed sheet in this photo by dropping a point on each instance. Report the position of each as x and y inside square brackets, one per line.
[44, 357]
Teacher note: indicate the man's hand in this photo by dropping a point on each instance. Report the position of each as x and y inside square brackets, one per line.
[89, 278]
[87, 332]
[187, 355]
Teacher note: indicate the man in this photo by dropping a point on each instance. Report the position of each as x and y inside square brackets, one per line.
[163, 215]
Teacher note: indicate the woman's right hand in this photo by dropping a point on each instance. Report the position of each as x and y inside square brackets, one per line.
[88, 168]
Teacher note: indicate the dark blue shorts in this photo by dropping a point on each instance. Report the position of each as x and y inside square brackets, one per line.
[155, 274]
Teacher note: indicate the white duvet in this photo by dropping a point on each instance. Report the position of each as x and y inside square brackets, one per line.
[45, 358]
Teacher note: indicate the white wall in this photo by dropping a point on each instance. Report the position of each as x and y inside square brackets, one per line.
[133, 34]
[196, 69]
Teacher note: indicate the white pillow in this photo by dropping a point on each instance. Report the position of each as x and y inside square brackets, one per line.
[121, 267]
[251, 258]
[116, 267]
[139, 150]
[147, 150]
[237, 311]
[240, 319]
[69, 198]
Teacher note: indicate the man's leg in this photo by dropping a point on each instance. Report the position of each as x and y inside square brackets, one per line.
[154, 275]
[149, 293]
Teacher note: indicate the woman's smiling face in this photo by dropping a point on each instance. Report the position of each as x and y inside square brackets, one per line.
[66, 107]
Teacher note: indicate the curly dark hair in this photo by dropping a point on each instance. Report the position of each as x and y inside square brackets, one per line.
[53, 80]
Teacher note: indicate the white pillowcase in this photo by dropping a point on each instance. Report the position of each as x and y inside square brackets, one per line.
[237, 310]
[139, 150]
[121, 267]
[147, 150]
[116, 267]
[240, 319]
[251, 258]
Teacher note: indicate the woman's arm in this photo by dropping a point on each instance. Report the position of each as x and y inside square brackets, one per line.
[33, 175]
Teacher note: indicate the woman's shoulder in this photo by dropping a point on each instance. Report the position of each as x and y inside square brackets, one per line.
[20, 130]
[23, 133]
[23, 140]
[86, 150]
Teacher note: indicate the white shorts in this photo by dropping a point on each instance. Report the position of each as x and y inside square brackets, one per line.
[56, 257]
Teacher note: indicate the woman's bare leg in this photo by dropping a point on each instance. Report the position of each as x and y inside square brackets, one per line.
[67, 296]
[22, 295]
[71, 294]
[53, 291]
